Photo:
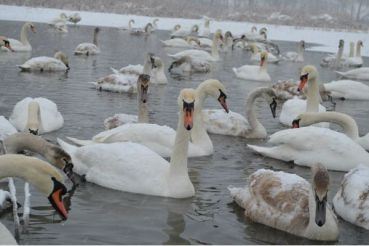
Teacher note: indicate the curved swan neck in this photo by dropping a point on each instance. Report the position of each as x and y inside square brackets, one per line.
[25, 141]
[143, 113]
[347, 123]
[251, 114]
[313, 96]
[23, 35]
[178, 159]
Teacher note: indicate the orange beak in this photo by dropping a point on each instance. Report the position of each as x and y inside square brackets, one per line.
[57, 202]
[188, 112]
[303, 80]
[222, 100]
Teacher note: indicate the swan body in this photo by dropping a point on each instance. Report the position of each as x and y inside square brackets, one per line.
[181, 32]
[357, 73]
[23, 45]
[186, 65]
[38, 115]
[347, 89]
[189, 42]
[289, 203]
[135, 168]
[6, 128]
[256, 73]
[348, 124]
[334, 150]
[219, 122]
[117, 82]
[161, 138]
[46, 64]
[256, 55]
[296, 56]
[351, 200]
[88, 48]
[334, 60]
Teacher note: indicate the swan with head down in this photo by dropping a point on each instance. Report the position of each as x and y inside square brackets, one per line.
[289, 203]
[134, 168]
[161, 138]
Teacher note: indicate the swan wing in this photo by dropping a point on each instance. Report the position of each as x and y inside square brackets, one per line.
[6, 128]
[51, 118]
[19, 116]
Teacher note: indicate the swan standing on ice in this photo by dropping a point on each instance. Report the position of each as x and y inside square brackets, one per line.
[46, 64]
[289, 203]
[256, 73]
[347, 123]
[350, 202]
[89, 48]
[293, 107]
[234, 124]
[132, 167]
[23, 45]
[37, 116]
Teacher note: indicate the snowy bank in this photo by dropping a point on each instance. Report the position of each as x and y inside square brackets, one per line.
[327, 39]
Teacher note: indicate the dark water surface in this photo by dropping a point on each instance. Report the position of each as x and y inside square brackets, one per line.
[103, 216]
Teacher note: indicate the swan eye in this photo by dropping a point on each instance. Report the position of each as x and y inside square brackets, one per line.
[304, 76]
[222, 95]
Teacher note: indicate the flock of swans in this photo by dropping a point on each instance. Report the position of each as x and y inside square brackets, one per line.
[134, 148]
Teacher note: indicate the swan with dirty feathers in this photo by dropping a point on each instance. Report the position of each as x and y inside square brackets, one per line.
[89, 48]
[219, 122]
[46, 64]
[143, 84]
[23, 45]
[161, 138]
[36, 115]
[351, 200]
[134, 168]
[345, 121]
[289, 203]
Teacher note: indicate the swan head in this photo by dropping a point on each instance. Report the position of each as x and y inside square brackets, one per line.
[263, 58]
[55, 198]
[148, 28]
[59, 158]
[309, 72]
[131, 21]
[186, 102]
[320, 187]
[189, 39]
[157, 62]
[31, 27]
[155, 21]
[216, 89]
[254, 29]
[195, 28]
[177, 27]
[6, 44]
[143, 82]
[63, 58]
[302, 44]
[150, 58]
[96, 30]
[360, 43]
[341, 43]
[228, 34]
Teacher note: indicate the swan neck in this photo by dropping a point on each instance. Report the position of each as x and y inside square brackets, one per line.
[95, 39]
[313, 96]
[178, 159]
[251, 114]
[339, 53]
[23, 35]
[358, 50]
[143, 113]
[25, 141]
[214, 49]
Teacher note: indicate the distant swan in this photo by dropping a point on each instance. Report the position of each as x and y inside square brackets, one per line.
[89, 48]
[23, 45]
[46, 64]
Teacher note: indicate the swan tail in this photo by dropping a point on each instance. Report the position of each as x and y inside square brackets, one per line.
[69, 148]
[267, 151]
[114, 70]
[80, 142]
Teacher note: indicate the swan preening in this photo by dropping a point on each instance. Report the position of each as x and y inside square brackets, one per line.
[23, 45]
[218, 122]
[251, 72]
[46, 64]
[36, 115]
[289, 203]
[89, 48]
[347, 123]
[161, 138]
[134, 168]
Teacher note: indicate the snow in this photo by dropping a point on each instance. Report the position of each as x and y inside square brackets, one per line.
[326, 38]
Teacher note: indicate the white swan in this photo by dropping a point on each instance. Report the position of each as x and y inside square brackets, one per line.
[134, 168]
[6, 128]
[208, 43]
[234, 124]
[347, 123]
[161, 138]
[23, 45]
[46, 64]
[347, 89]
[75, 18]
[5, 44]
[295, 106]
[296, 56]
[157, 73]
[334, 150]
[188, 65]
[256, 55]
[254, 36]
[357, 60]
[89, 48]
[138, 69]
[188, 42]
[334, 60]
[61, 18]
[181, 32]
[357, 73]
[351, 200]
[142, 31]
[143, 83]
[251, 72]
[289, 203]
[201, 54]
[129, 26]
[36, 115]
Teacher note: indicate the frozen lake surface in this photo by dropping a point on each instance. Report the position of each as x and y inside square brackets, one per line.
[103, 216]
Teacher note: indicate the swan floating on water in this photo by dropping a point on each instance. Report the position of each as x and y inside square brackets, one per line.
[89, 48]
[289, 203]
[46, 64]
[23, 45]
[256, 73]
